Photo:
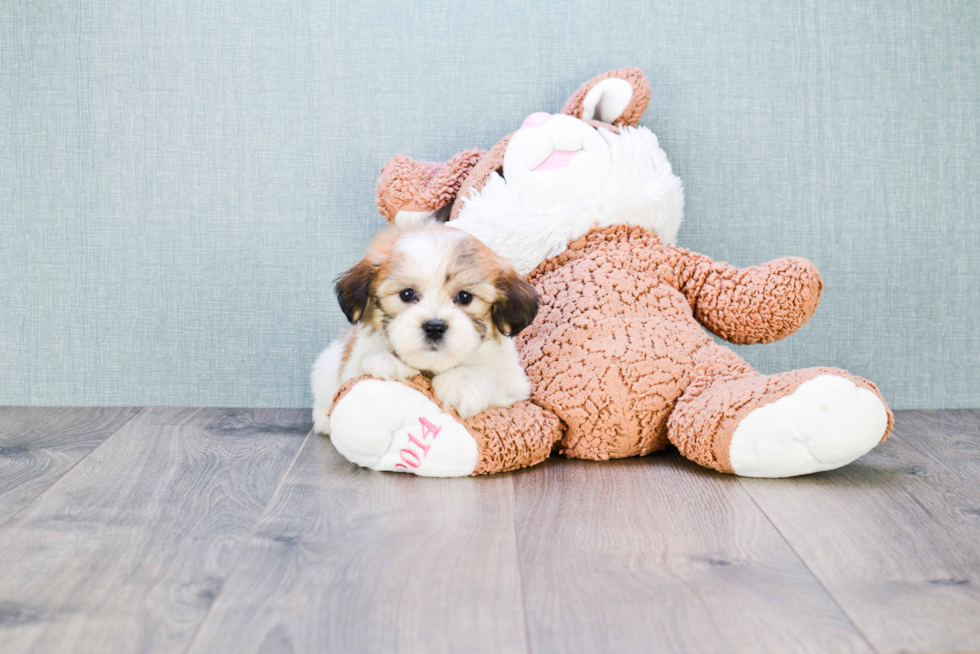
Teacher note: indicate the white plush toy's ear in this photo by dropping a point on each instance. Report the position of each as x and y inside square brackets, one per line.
[607, 100]
[618, 97]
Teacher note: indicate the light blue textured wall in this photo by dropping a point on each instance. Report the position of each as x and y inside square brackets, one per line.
[181, 180]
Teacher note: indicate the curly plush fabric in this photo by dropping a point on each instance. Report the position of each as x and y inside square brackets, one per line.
[617, 343]
[514, 437]
[409, 185]
[637, 104]
[753, 305]
[613, 341]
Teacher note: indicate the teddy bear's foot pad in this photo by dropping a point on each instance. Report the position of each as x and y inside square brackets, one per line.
[826, 423]
[385, 425]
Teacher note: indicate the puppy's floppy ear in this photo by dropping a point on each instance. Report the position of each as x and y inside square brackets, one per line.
[517, 306]
[353, 290]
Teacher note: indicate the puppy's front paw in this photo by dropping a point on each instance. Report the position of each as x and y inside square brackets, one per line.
[467, 392]
[385, 365]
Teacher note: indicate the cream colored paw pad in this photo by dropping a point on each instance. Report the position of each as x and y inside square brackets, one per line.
[385, 425]
[824, 424]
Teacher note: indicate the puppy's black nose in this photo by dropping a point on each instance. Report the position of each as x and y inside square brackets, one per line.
[434, 329]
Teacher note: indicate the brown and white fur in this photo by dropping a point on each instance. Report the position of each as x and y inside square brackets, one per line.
[436, 301]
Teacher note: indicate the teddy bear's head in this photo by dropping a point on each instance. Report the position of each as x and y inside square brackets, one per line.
[551, 180]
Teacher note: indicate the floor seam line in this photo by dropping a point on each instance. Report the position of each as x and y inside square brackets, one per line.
[833, 599]
[11, 517]
[248, 541]
[520, 571]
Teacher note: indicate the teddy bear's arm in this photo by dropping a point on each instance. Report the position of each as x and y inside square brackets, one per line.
[759, 304]
[420, 187]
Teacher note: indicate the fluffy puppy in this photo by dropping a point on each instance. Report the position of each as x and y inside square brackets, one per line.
[431, 300]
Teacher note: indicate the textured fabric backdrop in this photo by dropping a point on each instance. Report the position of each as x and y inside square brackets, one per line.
[181, 180]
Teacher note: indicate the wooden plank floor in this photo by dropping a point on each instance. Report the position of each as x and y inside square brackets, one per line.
[222, 530]
[38, 446]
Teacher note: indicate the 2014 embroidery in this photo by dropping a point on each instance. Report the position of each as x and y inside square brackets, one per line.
[411, 458]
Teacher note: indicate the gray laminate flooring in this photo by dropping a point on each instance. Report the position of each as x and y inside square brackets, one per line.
[236, 530]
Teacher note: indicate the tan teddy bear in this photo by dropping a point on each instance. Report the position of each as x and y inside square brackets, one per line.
[585, 203]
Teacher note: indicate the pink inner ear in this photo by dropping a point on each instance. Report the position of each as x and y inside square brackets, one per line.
[557, 159]
[537, 119]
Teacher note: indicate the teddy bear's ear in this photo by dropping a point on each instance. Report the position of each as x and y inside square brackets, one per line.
[618, 97]
[411, 192]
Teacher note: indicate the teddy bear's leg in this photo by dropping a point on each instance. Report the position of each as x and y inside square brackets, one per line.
[402, 427]
[732, 419]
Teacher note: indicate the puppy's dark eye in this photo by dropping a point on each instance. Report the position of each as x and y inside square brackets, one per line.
[408, 295]
[463, 298]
